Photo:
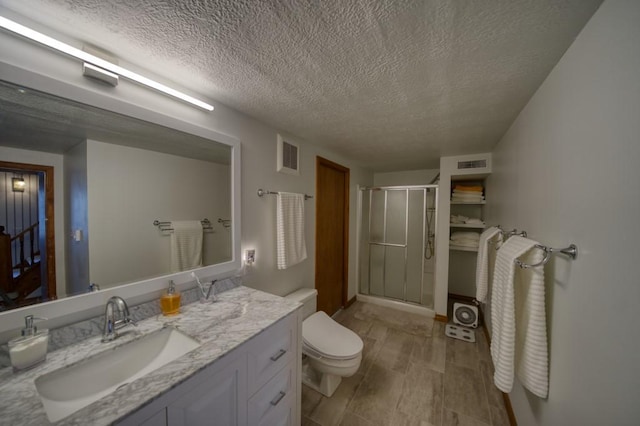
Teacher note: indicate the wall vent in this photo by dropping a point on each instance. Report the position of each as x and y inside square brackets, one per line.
[288, 156]
[474, 164]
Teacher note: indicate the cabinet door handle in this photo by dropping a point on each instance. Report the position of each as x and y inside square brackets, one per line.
[278, 355]
[278, 398]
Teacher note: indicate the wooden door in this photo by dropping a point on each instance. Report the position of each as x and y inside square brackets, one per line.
[332, 235]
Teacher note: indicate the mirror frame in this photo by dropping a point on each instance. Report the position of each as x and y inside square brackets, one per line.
[76, 308]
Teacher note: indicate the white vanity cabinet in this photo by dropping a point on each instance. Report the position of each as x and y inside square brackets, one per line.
[257, 383]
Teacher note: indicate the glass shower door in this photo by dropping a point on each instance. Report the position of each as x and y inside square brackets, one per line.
[393, 256]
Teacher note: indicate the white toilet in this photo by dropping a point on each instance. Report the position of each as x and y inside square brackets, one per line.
[332, 351]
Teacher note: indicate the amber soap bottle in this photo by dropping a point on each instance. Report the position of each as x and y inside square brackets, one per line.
[170, 301]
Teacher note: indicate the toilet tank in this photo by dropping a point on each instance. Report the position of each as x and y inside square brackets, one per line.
[306, 296]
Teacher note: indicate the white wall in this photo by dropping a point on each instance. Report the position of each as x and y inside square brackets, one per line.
[128, 188]
[408, 177]
[258, 162]
[56, 161]
[567, 172]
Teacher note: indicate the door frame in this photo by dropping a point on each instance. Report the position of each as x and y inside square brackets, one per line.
[50, 245]
[323, 162]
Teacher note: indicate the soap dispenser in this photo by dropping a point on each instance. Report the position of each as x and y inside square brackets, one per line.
[170, 300]
[30, 349]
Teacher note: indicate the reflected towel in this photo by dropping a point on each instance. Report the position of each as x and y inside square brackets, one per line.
[291, 245]
[186, 245]
[494, 235]
[503, 318]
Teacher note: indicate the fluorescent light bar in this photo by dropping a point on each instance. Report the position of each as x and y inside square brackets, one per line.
[87, 57]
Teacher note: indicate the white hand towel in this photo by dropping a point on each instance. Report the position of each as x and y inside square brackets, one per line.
[291, 245]
[532, 356]
[186, 245]
[503, 319]
[494, 235]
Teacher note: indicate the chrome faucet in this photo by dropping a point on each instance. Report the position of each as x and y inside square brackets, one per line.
[210, 293]
[116, 316]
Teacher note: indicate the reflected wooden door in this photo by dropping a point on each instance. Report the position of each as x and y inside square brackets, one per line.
[332, 235]
[27, 256]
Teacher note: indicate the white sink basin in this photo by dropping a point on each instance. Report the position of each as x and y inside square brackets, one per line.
[69, 389]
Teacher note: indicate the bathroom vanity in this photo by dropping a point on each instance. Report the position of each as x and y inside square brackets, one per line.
[245, 370]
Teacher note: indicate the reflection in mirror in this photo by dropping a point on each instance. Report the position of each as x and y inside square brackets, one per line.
[105, 199]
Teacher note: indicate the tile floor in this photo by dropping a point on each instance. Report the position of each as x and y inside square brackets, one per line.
[411, 374]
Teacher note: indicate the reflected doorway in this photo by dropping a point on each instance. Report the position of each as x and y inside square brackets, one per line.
[27, 245]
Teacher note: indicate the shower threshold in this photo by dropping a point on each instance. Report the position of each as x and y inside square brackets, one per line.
[397, 304]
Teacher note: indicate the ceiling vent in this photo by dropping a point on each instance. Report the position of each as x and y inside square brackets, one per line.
[288, 156]
[474, 164]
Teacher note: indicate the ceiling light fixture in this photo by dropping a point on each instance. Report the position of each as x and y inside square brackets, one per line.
[87, 57]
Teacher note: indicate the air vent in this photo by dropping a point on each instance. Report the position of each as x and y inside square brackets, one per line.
[288, 156]
[475, 164]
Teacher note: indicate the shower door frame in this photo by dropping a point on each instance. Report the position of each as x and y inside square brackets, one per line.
[406, 188]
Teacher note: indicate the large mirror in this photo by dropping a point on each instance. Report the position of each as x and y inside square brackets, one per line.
[92, 196]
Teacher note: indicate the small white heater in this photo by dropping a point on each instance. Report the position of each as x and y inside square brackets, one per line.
[465, 315]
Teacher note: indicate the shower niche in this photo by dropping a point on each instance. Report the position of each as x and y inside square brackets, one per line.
[397, 243]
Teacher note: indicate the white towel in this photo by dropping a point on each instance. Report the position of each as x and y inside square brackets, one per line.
[460, 235]
[532, 357]
[290, 229]
[503, 318]
[186, 245]
[482, 265]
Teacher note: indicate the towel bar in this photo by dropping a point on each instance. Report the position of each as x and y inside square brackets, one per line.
[571, 251]
[263, 192]
[166, 224]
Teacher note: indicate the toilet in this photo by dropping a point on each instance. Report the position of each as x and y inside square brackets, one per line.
[330, 351]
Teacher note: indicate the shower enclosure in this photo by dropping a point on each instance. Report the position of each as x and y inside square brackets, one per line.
[397, 243]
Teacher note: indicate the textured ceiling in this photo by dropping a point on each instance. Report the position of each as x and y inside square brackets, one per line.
[390, 84]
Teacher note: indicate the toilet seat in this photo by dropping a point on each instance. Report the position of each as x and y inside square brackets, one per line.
[329, 339]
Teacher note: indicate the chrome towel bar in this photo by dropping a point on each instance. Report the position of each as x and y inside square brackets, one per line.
[263, 192]
[165, 225]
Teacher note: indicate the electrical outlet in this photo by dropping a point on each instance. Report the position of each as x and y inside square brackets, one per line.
[250, 256]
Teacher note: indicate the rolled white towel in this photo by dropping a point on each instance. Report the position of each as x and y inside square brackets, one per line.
[474, 221]
[474, 236]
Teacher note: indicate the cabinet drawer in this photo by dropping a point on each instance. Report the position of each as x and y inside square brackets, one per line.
[271, 351]
[273, 403]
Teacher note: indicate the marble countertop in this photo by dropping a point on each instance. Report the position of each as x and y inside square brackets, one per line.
[239, 314]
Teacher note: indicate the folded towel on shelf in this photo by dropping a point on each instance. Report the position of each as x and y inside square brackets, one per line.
[463, 244]
[458, 219]
[472, 188]
[473, 236]
[474, 221]
[461, 192]
[467, 199]
[494, 235]
[469, 195]
[518, 341]
[290, 241]
[186, 245]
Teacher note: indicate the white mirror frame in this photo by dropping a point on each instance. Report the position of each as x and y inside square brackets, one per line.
[80, 307]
